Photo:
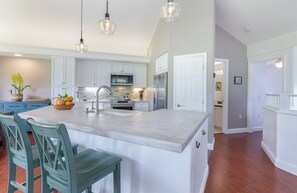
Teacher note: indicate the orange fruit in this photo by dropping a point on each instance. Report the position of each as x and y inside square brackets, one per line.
[68, 99]
[68, 103]
[60, 101]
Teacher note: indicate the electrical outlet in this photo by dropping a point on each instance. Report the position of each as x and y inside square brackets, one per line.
[240, 116]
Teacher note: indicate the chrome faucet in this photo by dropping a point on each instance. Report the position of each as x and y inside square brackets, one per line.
[97, 96]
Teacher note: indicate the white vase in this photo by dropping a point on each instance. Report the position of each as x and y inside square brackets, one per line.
[16, 97]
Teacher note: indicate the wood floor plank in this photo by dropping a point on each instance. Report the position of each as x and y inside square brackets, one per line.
[239, 165]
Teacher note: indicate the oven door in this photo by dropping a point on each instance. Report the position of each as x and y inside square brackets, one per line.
[130, 108]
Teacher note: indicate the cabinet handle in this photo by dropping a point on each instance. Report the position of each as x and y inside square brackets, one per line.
[197, 144]
[203, 132]
[179, 105]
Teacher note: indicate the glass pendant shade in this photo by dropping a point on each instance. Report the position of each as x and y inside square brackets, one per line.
[170, 12]
[81, 47]
[107, 27]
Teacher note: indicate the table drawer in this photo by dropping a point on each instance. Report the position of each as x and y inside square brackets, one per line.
[35, 105]
[13, 106]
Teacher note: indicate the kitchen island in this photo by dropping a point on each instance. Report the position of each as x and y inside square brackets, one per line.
[164, 151]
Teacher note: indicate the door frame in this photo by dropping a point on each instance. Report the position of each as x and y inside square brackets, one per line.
[204, 55]
[226, 93]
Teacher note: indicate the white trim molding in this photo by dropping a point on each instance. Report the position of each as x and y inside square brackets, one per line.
[210, 146]
[236, 130]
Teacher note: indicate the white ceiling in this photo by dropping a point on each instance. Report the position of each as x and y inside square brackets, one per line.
[265, 18]
[56, 24]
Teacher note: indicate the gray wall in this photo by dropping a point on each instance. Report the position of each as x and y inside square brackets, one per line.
[227, 47]
[193, 33]
[36, 72]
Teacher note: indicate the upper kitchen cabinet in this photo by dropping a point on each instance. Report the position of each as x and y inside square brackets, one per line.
[161, 64]
[120, 67]
[63, 70]
[92, 73]
[139, 76]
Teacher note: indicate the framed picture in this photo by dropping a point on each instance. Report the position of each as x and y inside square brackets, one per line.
[218, 86]
[237, 79]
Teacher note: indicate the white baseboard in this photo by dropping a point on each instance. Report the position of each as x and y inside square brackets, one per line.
[258, 128]
[268, 152]
[236, 130]
[210, 146]
[290, 168]
[204, 180]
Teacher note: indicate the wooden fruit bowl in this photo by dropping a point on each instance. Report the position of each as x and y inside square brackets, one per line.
[63, 107]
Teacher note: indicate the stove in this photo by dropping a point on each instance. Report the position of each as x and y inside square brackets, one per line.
[122, 104]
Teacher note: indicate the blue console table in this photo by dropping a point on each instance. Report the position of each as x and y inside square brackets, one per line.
[19, 107]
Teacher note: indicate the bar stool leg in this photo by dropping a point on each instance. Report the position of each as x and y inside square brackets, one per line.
[117, 179]
[12, 175]
[89, 190]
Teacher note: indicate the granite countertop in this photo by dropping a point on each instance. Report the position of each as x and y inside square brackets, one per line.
[169, 130]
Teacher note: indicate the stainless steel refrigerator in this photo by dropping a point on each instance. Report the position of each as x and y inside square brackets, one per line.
[160, 94]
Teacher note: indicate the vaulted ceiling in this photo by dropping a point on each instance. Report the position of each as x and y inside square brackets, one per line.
[251, 21]
[56, 23]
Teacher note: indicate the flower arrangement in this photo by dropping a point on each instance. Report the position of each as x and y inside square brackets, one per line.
[18, 84]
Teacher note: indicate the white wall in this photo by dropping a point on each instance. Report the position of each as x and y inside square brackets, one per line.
[36, 72]
[193, 33]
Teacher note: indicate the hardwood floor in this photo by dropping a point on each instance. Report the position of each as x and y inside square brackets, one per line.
[239, 165]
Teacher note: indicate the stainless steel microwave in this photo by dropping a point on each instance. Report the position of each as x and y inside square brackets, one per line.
[121, 79]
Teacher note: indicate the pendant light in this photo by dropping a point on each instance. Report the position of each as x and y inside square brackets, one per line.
[170, 12]
[107, 27]
[81, 47]
[278, 63]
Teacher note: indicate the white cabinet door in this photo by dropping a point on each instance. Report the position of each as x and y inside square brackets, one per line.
[199, 158]
[117, 67]
[141, 106]
[69, 70]
[86, 73]
[127, 68]
[161, 65]
[139, 76]
[57, 70]
[63, 70]
[103, 73]
[190, 82]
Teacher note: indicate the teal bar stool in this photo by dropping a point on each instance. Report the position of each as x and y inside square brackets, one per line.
[66, 172]
[21, 153]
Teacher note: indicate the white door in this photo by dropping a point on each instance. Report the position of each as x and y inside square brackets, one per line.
[139, 76]
[190, 82]
[103, 73]
[85, 73]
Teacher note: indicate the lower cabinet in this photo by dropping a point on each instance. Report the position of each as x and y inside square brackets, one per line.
[199, 158]
[141, 106]
[19, 107]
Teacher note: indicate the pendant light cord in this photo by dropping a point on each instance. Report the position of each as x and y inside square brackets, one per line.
[81, 12]
[106, 6]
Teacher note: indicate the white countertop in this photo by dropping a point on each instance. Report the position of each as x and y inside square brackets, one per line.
[164, 129]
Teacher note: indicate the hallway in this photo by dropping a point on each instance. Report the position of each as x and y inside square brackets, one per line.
[239, 165]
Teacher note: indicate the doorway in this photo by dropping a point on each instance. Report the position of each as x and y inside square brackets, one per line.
[221, 95]
[266, 78]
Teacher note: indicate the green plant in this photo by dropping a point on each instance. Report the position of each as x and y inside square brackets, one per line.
[18, 84]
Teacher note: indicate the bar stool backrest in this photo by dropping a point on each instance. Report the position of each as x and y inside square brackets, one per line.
[56, 156]
[19, 147]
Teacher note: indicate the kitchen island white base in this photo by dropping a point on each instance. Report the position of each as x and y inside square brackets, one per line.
[151, 170]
